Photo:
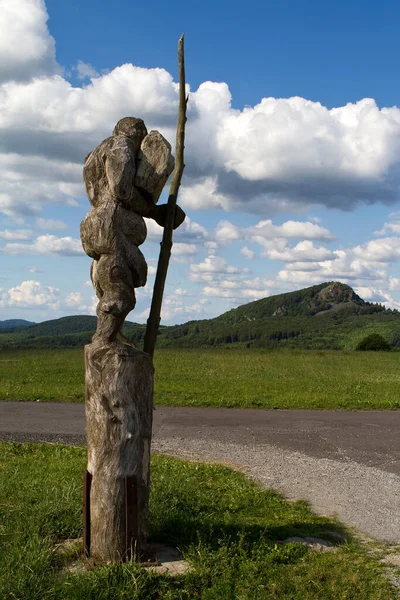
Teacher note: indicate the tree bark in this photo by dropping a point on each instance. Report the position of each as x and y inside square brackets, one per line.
[119, 404]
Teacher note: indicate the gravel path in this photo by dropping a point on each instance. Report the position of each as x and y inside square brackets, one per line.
[343, 463]
[362, 497]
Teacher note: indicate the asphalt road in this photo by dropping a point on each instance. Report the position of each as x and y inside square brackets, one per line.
[343, 463]
[371, 438]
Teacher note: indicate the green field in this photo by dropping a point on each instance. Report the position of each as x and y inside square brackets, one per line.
[228, 378]
[228, 528]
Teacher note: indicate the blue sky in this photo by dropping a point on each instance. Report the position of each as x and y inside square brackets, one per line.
[292, 152]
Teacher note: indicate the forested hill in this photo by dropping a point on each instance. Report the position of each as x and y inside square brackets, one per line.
[327, 316]
[308, 302]
[13, 324]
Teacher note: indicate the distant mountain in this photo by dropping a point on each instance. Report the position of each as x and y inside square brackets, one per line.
[11, 324]
[307, 302]
[60, 333]
[63, 326]
[326, 316]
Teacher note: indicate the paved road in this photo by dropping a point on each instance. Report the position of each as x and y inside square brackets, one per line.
[368, 437]
[344, 463]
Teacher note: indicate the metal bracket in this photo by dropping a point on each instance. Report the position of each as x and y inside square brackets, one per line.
[131, 517]
[87, 484]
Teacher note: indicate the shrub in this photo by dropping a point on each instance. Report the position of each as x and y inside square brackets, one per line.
[374, 341]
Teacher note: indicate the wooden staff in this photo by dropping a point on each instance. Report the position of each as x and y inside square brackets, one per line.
[153, 321]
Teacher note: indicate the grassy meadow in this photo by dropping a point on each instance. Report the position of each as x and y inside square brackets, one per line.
[227, 527]
[303, 379]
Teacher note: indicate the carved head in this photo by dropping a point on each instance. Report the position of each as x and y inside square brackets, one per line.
[133, 128]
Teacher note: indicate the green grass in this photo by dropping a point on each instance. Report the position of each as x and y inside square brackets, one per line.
[227, 378]
[226, 526]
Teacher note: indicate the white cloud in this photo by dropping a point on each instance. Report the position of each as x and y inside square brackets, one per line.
[281, 154]
[30, 294]
[181, 249]
[382, 250]
[371, 294]
[211, 266]
[226, 232]
[73, 300]
[15, 234]
[270, 236]
[344, 266]
[26, 48]
[236, 291]
[36, 270]
[394, 284]
[303, 251]
[30, 182]
[174, 309]
[203, 195]
[50, 224]
[188, 232]
[85, 70]
[47, 244]
[289, 229]
[247, 253]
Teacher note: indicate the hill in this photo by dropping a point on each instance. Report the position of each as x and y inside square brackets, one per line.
[12, 324]
[326, 316]
[60, 333]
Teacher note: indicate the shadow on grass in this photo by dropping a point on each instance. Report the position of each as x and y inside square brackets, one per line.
[184, 532]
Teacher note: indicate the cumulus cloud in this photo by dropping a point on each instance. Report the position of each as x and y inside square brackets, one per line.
[389, 228]
[382, 250]
[267, 234]
[289, 229]
[174, 307]
[303, 251]
[47, 244]
[371, 294]
[247, 252]
[344, 266]
[29, 182]
[227, 232]
[15, 234]
[203, 194]
[281, 154]
[211, 266]
[188, 232]
[26, 48]
[235, 293]
[182, 249]
[224, 281]
[32, 294]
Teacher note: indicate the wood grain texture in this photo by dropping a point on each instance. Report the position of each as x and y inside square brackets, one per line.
[119, 406]
[124, 177]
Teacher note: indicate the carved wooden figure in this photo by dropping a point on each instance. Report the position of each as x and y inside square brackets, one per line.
[124, 177]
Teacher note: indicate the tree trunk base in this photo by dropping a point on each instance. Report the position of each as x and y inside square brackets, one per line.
[119, 414]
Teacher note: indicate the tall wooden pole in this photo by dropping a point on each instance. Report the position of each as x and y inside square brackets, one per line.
[153, 321]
